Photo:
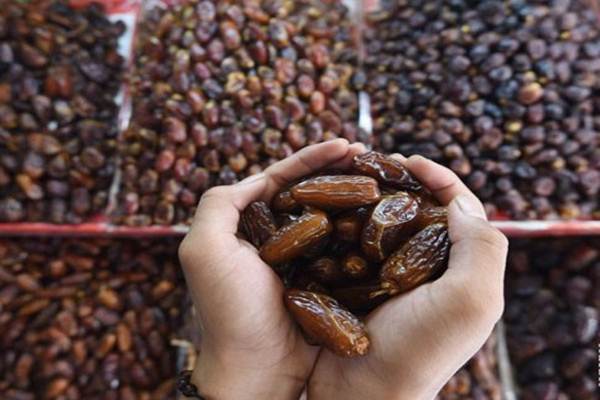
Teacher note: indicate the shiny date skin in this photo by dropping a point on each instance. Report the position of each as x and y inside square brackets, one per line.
[419, 260]
[294, 239]
[258, 223]
[392, 220]
[432, 215]
[326, 322]
[386, 170]
[337, 192]
[358, 298]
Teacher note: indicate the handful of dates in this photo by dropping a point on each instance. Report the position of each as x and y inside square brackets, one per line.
[345, 243]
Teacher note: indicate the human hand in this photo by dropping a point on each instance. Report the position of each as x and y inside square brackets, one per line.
[421, 338]
[251, 348]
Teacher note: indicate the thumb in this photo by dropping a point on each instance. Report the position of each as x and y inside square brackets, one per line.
[478, 253]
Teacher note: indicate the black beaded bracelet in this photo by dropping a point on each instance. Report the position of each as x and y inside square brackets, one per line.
[186, 387]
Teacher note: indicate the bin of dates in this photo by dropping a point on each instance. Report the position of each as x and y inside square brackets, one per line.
[60, 72]
[504, 93]
[223, 89]
[552, 317]
[344, 243]
[83, 319]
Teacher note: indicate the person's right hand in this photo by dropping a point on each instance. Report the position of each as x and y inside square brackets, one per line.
[421, 338]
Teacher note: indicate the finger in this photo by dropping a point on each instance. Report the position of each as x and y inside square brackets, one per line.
[305, 162]
[218, 214]
[442, 182]
[478, 252]
[346, 162]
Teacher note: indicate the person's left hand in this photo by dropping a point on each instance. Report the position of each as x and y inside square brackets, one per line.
[250, 346]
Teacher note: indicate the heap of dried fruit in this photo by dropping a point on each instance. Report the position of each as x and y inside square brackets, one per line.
[346, 243]
[225, 88]
[59, 74]
[88, 319]
[505, 93]
[553, 319]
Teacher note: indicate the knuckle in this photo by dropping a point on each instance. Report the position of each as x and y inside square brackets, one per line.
[491, 235]
[217, 191]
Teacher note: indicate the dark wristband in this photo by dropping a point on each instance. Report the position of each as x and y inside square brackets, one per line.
[186, 387]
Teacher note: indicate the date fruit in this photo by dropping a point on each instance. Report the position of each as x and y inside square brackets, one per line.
[326, 270]
[326, 322]
[392, 220]
[258, 223]
[432, 215]
[293, 239]
[420, 259]
[386, 170]
[348, 227]
[358, 238]
[359, 299]
[337, 191]
[355, 267]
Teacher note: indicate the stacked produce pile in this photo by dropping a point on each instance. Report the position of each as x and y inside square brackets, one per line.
[223, 89]
[552, 316]
[59, 74]
[505, 93]
[344, 243]
[88, 319]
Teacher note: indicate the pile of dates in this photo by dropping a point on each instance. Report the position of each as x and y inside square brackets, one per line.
[345, 243]
[505, 93]
[223, 89]
[60, 71]
[552, 317]
[88, 319]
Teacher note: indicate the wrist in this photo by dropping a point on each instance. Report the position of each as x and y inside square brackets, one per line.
[232, 377]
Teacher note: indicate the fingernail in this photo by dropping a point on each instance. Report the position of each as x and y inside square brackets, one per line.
[252, 179]
[470, 206]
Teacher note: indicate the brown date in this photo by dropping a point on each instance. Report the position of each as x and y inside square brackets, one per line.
[293, 239]
[337, 191]
[258, 223]
[326, 270]
[355, 267]
[358, 298]
[386, 170]
[348, 227]
[432, 215]
[392, 220]
[420, 259]
[283, 202]
[326, 322]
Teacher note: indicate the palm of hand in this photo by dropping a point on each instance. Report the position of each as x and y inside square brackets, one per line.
[251, 315]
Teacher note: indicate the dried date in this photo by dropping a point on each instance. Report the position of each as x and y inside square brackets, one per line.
[386, 170]
[258, 223]
[293, 239]
[392, 220]
[419, 260]
[337, 191]
[326, 322]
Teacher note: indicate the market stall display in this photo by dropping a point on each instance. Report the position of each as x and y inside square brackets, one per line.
[59, 74]
[504, 93]
[552, 317]
[221, 90]
[84, 319]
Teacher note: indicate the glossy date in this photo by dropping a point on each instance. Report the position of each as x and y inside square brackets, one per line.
[337, 192]
[327, 323]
